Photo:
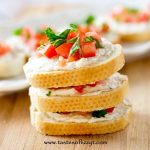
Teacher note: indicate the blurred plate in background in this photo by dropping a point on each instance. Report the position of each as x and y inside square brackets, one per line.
[14, 84]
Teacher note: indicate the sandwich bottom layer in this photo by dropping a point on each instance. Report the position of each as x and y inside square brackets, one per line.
[50, 124]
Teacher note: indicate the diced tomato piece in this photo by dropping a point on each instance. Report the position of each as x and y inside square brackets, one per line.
[88, 49]
[79, 88]
[71, 35]
[65, 113]
[64, 49]
[83, 29]
[92, 85]
[83, 113]
[94, 35]
[4, 48]
[110, 110]
[74, 57]
[143, 17]
[50, 52]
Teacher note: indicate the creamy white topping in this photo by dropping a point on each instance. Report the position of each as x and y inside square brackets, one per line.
[112, 82]
[43, 64]
[119, 111]
[129, 28]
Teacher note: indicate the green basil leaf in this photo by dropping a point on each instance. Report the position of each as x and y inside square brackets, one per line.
[18, 31]
[98, 44]
[88, 39]
[72, 40]
[51, 35]
[99, 113]
[90, 19]
[49, 93]
[64, 34]
[58, 42]
[75, 47]
[73, 26]
[57, 39]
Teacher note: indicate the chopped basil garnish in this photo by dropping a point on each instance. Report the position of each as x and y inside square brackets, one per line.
[75, 47]
[98, 44]
[90, 19]
[99, 113]
[18, 31]
[74, 26]
[57, 39]
[51, 35]
[64, 34]
[72, 40]
[88, 39]
[49, 93]
[58, 42]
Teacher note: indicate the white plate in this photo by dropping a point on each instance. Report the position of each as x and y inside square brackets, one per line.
[13, 84]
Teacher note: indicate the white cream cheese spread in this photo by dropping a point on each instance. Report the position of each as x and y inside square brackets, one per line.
[43, 64]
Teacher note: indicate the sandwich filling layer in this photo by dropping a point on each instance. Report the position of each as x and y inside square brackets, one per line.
[113, 82]
[82, 117]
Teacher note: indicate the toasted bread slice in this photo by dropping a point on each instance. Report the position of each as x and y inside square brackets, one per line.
[90, 102]
[48, 126]
[80, 76]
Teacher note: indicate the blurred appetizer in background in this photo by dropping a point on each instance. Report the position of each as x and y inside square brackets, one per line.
[131, 24]
[12, 59]
[30, 38]
[91, 23]
[15, 51]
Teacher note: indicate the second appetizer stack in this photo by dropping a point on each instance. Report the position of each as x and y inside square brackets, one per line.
[75, 87]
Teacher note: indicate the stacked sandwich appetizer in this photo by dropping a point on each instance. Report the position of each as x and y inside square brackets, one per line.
[15, 51]
[131, 24]
[75, 87]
